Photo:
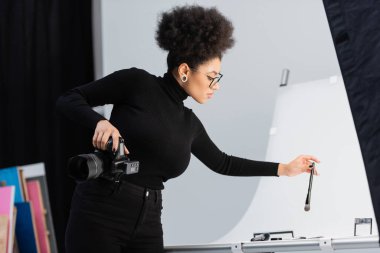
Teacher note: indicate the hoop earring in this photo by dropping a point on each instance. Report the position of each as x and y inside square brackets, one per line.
[184, 78]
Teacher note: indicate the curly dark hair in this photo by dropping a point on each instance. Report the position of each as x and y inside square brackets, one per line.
[193, 35]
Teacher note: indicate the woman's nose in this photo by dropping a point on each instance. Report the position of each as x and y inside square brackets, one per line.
[216, 86]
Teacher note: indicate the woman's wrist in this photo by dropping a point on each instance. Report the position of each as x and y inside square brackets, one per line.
[281, 171]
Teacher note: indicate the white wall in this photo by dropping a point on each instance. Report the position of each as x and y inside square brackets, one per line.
[201, 206]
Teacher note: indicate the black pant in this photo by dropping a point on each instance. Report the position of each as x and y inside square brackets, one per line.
[106, 217]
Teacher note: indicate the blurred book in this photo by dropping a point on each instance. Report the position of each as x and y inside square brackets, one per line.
[13, 176]
[27, 237]
[7, 197]
[3, 233]
[35, 197]
[37, 172]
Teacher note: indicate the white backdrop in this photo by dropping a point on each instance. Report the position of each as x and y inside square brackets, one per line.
[314, 118]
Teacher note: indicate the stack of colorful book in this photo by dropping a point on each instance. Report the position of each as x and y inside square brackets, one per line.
[25, 218]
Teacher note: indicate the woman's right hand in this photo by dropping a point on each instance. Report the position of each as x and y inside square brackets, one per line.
[104, 129]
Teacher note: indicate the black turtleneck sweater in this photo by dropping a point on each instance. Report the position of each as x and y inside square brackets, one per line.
[159, 131]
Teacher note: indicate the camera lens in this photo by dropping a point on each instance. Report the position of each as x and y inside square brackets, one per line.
[84, 167]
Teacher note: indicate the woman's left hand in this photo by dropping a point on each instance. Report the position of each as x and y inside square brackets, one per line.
[299, 165]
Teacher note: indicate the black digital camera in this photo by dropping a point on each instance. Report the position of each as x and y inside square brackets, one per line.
[105, 164]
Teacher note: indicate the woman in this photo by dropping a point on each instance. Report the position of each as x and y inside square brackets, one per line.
[160, 132]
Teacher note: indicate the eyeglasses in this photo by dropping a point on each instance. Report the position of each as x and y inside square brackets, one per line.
[213, 80]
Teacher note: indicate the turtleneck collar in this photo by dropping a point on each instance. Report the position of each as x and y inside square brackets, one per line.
[174, 90]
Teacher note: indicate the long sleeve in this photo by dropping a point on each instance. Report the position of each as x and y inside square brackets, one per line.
[210, 155]
[158, 129]
[77, 103]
